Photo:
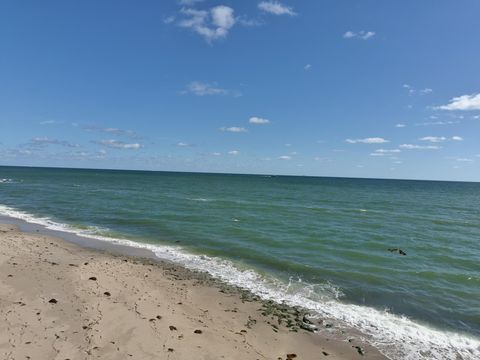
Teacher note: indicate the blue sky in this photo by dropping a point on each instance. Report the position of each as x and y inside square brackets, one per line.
[329, 88]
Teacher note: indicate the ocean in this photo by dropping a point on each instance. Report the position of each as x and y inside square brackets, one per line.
[320, 243]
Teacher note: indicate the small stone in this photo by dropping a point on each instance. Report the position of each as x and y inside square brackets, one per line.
[325, 353]
[106, 293]
[198, 331]
[170, 350]
[172, 328]
[291, 356]
[52, 301]
[93, 278]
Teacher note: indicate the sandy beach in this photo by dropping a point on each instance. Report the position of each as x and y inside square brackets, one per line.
[62, 301]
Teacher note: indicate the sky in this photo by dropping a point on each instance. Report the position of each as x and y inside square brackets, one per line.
[358, 88]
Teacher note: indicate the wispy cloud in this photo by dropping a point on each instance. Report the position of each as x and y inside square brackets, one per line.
[388, 151]
[464, 102]
[234, 152]
[234, 129]
[285, 157]
[50, 122]
[363, 35]
[439, 122]
[258, 121]
[419, 147]
[372, 140]
[111, 130]
[400, 125]
[307, 67]
[203, 89]
[43, 141]
[189, 2]
[434, 139]
[116, 144]
[212, 24]
[276, 8]
[183, 144]
[412, 91]
[437, 139]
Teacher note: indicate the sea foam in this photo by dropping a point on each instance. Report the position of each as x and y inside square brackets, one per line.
[398, 337]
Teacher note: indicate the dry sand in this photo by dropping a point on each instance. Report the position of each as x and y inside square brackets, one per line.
[62, 301]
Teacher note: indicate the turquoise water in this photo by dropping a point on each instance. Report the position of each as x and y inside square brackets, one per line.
[318, 242]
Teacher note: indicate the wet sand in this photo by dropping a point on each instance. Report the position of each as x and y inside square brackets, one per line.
[62, 301]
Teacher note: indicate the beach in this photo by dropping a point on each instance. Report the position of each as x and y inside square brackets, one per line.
[61, 301]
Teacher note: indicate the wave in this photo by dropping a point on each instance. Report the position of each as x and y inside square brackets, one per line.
[398, 337]
[7, 181]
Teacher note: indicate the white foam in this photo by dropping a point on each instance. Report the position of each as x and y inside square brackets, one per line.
[398, 337]
[6, 181]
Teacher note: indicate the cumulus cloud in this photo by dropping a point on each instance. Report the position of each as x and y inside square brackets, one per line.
[276, 8]
[364, 35]
[419, 147]
[116, 144]
[203, 89]
[234, 129]
[464, 102]
[372, 140]
[457, 138]
[212, 24]
[258, 121]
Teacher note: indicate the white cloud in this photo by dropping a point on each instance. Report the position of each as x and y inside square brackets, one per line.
[364, 35]
[285, 157]
[400, 125]
[182, 144]
[212, 25]
[464, 160]
[258, 120]
[412, 91]
[111, 130]
[434, 139]
[433, 123]
[372, 140]
[419, 147]
[216, 154]
[387, 151]
[457, 138]
[276, 8]
[307, 67]
[169, 20]
[234, 152]
[235, 129]
[464, 102]
[50, 122]
[202, 89]
[115, 144]
[43, 141]
[189, 2]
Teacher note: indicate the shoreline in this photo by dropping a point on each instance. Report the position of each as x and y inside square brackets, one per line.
[170, 310]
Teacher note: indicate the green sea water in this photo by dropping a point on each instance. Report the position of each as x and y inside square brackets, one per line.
[317, 242]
